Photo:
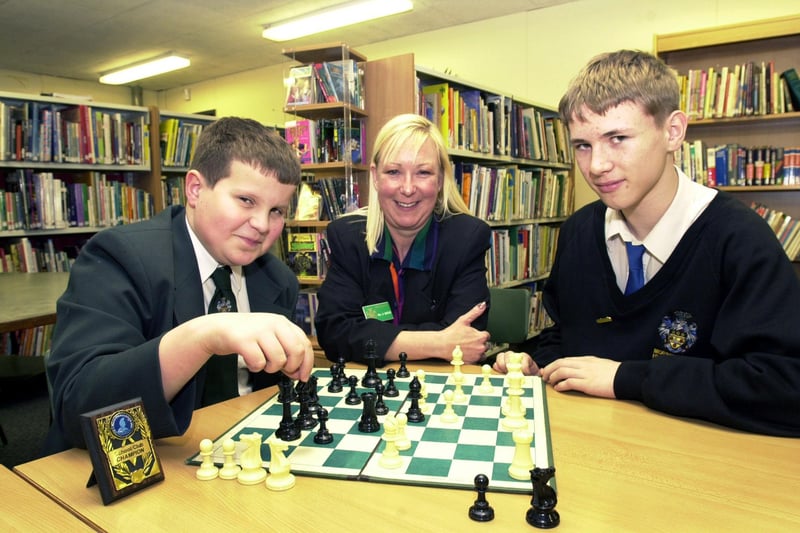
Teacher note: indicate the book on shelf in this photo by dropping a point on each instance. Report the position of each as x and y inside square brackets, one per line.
[306, 310]
[301, 134]
[793, 85]
[437, 108]
[303, 255]
[324, 83]
[301, 86]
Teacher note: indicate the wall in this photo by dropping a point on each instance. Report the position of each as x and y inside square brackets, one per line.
[531, 55]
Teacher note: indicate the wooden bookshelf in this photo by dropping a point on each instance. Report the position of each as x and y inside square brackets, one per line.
[776, 40]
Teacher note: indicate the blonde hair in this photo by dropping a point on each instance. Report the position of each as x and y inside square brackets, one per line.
[404, 131]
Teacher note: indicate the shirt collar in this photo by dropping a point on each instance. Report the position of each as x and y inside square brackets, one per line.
[206, 264]
[423, 249]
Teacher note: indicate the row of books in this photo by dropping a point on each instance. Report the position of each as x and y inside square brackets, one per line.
[330, 197]
[40, 200]
[736, 165]
[326, 140]
[751, 88]
[326, 82]
[24, 256]
[178, 140]
[306, 311]
[786, 228]
[173, 190]
[29, 342]
[50, 132]
[521, 252]
[506, 193]
[470, 119]
[308, 255]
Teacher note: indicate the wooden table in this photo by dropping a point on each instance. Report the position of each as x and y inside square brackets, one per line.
[29, 299]
[619, 467]
[23, 508]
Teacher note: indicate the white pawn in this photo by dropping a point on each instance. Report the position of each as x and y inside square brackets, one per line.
[449, 415]
[423, 393]
[280, 472]
[207, 469]
[522, 463]
[402, 442]
[486, 386]
[390, 458]
[229, 470]
[252, 471]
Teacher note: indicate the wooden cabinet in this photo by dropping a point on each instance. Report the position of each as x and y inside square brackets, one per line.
[776, 43]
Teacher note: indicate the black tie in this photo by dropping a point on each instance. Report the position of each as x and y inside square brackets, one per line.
[221, 370]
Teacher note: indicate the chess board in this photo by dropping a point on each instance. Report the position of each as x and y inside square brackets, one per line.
[441, 454]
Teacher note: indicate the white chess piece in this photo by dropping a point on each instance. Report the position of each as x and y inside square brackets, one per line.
[280, 473]
[390, 458]
[522, 463]
[486, 386]
[458, 377]
[229, 470]
[207, 469]
[423, 393]
[252, 471]
[402, 442]
[449, 415]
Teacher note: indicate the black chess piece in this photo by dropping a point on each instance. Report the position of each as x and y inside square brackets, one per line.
[481, 511]
[305, 418]
[342, 372]
[403, 372]
[380, 406]
[369, 418]
[391, 389]
[542, 513]
[323, 436]
[352, 397]
[415, 414]
[286, 428]
[370, 378]
[313, 395]
[335, 385]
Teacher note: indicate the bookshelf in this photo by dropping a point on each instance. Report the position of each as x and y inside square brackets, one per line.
[174, 138]
[772, 40]
[500, 142]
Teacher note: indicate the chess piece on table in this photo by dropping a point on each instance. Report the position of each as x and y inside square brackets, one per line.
[323, 436]
[390, 457]
[380, 406]
[280, 472]
[481, 511]
[458, 377]
[414, 414]
[305, 417]
[449, 415]
[423, 393]
[522, 463]
[402, 442]
[334, 385]
[352, 397]
[369, 418]
[229, 470]
[486, 386]
[252, 471]
[370, 378]
[287, 430]
[207, 470]
[342, 371]
[391, 389]
[403, 372]
[542, 513]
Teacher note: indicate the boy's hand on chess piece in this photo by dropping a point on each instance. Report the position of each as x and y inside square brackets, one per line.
[472, 341]
[529, 367]
[588, 374]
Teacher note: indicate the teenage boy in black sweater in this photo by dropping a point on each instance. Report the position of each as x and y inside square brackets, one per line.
[713, 333]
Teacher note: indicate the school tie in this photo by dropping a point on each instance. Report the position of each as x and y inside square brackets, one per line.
[635, 267]
[221, 370]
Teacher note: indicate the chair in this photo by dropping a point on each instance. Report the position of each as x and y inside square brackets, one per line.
[509, 317]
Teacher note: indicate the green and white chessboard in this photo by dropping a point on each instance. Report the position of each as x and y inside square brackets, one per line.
[441, 454]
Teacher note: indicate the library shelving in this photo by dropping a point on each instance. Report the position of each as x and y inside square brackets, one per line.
[174, 140]
[765, 129]
[511, 159]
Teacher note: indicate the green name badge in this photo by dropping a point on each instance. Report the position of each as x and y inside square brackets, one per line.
[121, 448]
[381, 311]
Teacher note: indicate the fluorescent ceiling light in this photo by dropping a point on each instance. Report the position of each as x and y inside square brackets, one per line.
[334, 17]
[146, 69]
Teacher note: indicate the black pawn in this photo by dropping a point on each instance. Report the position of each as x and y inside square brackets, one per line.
[335, 385]
[542, 513]
[415, 414]
[342, 377]
[352, 397]
[380, 406]
[403, 372]
[313, 395]
[370, 378]
[323, 436]
[481, 511]
[369, 418]
[391, 389]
